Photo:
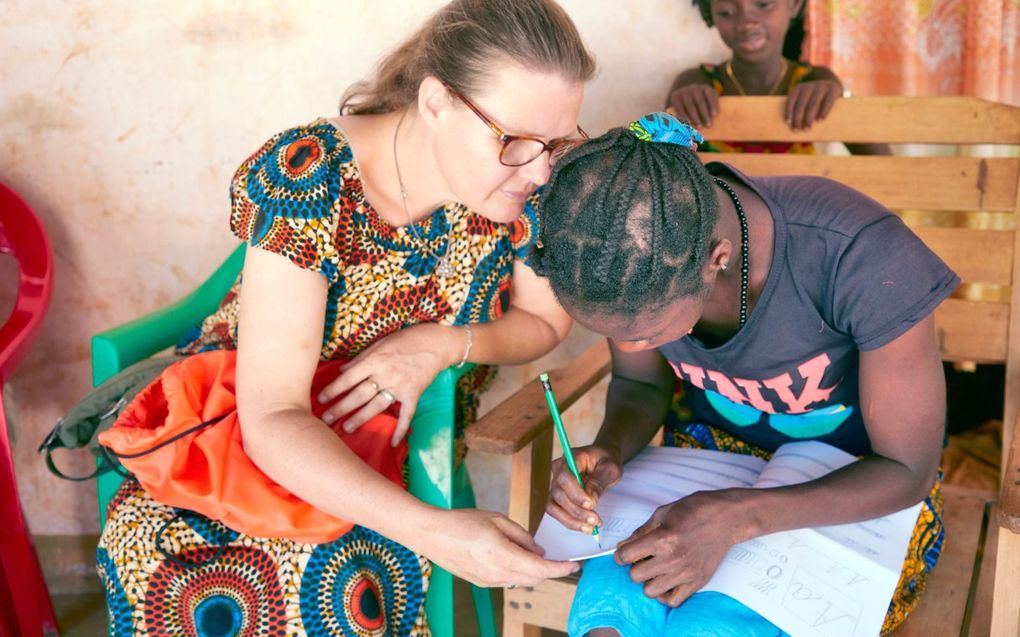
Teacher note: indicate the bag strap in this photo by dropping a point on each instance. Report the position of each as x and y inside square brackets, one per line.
[186, 432]
[176, 560]
[53, 441]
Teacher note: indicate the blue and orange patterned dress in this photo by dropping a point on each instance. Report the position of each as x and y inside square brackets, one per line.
[174, 572]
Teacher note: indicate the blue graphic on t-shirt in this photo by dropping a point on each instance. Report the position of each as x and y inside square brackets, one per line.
[812, 424]
[738, 414]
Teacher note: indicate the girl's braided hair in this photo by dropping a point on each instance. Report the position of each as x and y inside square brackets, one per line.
[627, 225]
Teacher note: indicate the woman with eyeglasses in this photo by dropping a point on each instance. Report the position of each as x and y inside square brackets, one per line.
[394, 237]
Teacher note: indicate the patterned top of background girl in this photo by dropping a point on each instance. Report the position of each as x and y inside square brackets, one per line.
[798, 71]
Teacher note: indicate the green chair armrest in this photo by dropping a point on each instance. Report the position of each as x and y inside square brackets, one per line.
[431, 476]
[118, 347]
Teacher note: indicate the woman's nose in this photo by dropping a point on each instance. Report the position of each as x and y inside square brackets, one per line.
[537, 170]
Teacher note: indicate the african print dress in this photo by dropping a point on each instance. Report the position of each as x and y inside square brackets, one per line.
[795, 76]
[173, 572]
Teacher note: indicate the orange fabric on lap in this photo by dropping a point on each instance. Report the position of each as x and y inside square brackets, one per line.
[184, 463]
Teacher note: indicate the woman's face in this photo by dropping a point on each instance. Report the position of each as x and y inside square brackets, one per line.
[518, 102]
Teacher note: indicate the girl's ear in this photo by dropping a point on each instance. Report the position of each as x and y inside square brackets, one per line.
[718, 260]
[433, 100]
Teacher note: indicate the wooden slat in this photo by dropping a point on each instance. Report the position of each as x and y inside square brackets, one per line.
[529, 481]
[546, 605]
[1006, 601]
[517, 420]
[978, 256]
[980, 624]
[972, 331]
[927, 183]
[944, 602]
[1011, 409]
[1009, 491]
[894, 120]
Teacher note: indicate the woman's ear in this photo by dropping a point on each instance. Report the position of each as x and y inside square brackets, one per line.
[795, 7]
[433, 100]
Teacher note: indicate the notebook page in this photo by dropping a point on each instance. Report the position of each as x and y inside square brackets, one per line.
[656, 476]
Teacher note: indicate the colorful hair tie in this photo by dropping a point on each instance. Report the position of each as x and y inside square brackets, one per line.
[664, 128]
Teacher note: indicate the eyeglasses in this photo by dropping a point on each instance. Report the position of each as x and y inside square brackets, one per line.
[518, 150]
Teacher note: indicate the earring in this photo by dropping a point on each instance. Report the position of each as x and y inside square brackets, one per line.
[722, 266]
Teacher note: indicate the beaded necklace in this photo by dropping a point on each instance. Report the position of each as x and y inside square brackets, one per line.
[744, 258]
[740, 87]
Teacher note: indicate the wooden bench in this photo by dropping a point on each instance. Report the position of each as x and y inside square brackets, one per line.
[964, 207]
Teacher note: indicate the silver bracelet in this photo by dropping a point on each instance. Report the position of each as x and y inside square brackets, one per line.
[467, 349]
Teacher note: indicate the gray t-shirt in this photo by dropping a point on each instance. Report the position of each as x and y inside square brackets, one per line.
[846, 276]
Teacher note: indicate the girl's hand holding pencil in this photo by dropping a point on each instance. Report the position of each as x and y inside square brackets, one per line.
[580, 477]
[573, 506]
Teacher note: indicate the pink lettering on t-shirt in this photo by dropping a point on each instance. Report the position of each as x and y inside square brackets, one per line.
[811, 372]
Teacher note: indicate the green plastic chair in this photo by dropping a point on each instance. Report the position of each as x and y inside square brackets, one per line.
[432, 477]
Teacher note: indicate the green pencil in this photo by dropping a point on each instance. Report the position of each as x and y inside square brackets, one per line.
[561, 432]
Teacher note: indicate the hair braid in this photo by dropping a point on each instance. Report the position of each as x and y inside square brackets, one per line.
[627, 224]
[614, 241]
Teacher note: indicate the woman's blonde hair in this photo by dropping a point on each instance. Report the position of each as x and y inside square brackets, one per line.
[459, 45]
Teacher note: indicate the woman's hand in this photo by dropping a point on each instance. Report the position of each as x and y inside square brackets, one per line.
[398, 367]
[600, 468]
[811, 101]
[696, 103]
[488, 549]
[676, 551]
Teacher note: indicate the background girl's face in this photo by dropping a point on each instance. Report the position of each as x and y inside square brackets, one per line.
[519, 102]
[754, 29]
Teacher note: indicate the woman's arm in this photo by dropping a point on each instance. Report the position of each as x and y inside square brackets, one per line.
[405, 362]
[532, 326]
[903, 403]
[281, 323]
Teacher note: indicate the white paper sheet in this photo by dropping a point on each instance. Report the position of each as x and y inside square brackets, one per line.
[824, 582]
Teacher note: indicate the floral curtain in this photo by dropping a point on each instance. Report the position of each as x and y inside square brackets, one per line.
[918, 47]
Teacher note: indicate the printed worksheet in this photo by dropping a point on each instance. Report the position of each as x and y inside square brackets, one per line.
[831, 581]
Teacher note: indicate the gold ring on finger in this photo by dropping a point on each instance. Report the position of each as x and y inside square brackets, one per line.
[375, 385]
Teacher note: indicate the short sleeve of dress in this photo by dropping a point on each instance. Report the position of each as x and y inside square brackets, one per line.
[284, 198]
[886, 281]
[524, 230]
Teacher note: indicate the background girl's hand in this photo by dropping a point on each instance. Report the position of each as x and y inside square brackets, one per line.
[696, 103]
[575, 508]
[489, 549]
[398, 367]
[811, 101]
[676, 551]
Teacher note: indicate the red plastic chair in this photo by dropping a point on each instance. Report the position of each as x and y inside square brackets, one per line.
[25, 607]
